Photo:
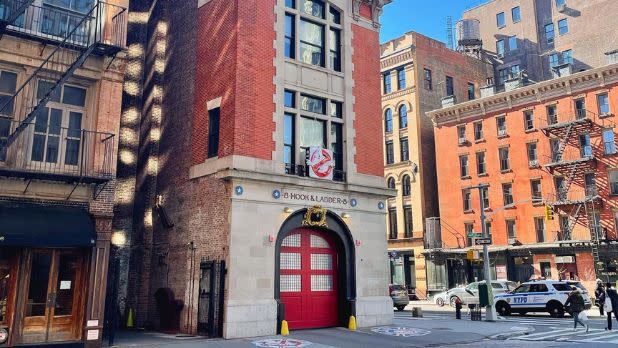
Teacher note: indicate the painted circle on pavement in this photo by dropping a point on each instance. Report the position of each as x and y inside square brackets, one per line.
[400, 331]
[281, 343]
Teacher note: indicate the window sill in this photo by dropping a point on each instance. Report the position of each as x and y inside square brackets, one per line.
[467, 177]
[479, 140]
[510, 206]
[503, 136]
[534, 167]
[483, 175]
[463, 144]
[506, 171]
[537, 204]
[469, 211]
[606, 115]
[531, 130]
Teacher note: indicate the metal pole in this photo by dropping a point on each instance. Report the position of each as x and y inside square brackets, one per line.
[490, 310]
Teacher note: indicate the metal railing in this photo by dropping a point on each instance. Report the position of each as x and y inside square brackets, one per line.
[99, 22]
[554, 121]
[50, 151]
[569, 155]
[303, 171]
[578, 234]
[572, 196]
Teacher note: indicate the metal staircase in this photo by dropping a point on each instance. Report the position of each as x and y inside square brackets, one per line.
[99, 31]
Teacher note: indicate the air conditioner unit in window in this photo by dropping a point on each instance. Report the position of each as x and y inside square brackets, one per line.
[533, 163]
[462, 141]
[501, 132]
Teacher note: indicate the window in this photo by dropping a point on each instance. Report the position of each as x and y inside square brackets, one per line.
[478, 131]
[401, 78]
[390, 154]
[336, 144]
[563, 26]
[500, 20]
[289, 99]
[511, 229]
[390, 183]
[312, 133]
[290, 36]
[603, 104]
[311, 43]
[290, 3]
[514, 71]
[585, 145]
[464, 170]
[549, 33]
[532, 154]
[407, 220]
[449, 86]
[213, 132]
[314, 8]
[405, 156]
[504, 159]
[500, 48]
[503, 75]
[403, 117]
[392, 223]
[481, 168]
[552, 116]
[539, 287]
[335, 49]
[580, 108]
[334, 15]
[288, 140]
[312, 104]
[488, 228]
[528, 120]
[535, 187]
[507, 194]
[554, 146]
[501, 126]
[539, 227]
[516, 14]
[8, 83]
[388, 121]
[608, 141]
[560, 3]
[554, 60]
[467, 199]
[567, 57]
[406, 187]
[590, 184]
[386, 77]
[512, 43]
[471, 95]
[336, 109]
[461, 134]
[613, 182]
[469, 228]
[427, 81]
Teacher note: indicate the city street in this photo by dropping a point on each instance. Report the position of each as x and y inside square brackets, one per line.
[435, 329]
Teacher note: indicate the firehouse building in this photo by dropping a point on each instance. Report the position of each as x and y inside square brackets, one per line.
[262, 195]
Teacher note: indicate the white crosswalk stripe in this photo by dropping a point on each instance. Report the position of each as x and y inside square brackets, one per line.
[568, 335]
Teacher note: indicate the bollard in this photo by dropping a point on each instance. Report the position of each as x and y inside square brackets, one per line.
[130, 319]
[284, 328]
[352, 323]
[458, 309]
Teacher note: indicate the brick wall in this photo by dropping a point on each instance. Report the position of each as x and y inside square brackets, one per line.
[367, 109]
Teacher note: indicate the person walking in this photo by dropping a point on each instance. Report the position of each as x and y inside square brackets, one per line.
[611, 298]
[575, 302]
[599, 295]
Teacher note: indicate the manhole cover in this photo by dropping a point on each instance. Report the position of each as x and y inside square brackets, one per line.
[400, 331]
[281, 343]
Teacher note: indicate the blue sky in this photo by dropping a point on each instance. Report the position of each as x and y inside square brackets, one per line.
[427, 17]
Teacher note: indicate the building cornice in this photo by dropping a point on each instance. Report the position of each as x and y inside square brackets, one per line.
[535, 93]
[376, 9]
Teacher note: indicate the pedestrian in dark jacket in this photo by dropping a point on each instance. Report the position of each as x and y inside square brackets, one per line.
[575, 302]
[599, 295]
[612, 296]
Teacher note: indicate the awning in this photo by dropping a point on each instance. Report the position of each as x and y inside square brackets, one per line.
[50, 226]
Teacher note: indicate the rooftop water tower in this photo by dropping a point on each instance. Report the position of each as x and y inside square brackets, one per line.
[469, 37]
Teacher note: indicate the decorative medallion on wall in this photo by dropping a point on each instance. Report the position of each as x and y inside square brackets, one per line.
[381, 205]
[276, 194]
[353, 202]
[315, 217]
[239, 190]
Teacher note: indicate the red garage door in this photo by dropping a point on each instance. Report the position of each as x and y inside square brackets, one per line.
[308, 280]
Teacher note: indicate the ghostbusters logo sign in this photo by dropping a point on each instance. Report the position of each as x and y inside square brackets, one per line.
[321, 164]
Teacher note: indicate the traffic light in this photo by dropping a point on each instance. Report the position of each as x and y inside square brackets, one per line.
[549, 212]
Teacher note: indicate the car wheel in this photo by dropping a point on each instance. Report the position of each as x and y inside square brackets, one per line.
[440, 302]
[555, 310]
[453, 300]
[503, 309]
[400, 308]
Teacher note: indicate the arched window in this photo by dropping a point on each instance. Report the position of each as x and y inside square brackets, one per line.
[391, 183]
[403, 117]
[405, 186]
[388, 121]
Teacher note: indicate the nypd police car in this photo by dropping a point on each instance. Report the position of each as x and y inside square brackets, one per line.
[539, 296]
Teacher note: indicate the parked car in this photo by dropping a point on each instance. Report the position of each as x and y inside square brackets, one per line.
[469, 294]
[540, 296]
[399, 295]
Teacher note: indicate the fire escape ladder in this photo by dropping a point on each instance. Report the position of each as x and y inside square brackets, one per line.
[569, 180]
[594, 234]
[563, 143]
[12, 10]
[45, 83]
[573, 218]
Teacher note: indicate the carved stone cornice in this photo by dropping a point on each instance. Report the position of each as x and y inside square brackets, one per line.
[376, 9]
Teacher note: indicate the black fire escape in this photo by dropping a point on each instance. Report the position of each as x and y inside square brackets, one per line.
[572, 162]
[67, 37]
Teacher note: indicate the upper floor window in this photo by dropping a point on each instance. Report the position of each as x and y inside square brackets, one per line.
[391, 183]
[288, 139]
[478, 131]
[406, 186]
[507, 194]
[388, 121]
[563, 26]
[552, 116]
[500, 20]
[8, 83]
[536, 193]
[512, 43]
[580, 108]
[554, 60]
[390, 153]
[213, 132]
[461, 133]
[464, 169]
[549, 32]
[481, 167]
[450, 88]
[334, 15]
[560, 3]
[608, 141]
[335, 49]
[500, 48]
[312, 104]
[289, 99]
[290, 3]
[467, 199]
[313, 7]
[503, 153]
[567, 56]
[501, 126]
[471, 95]
[311, 43]
[613, 182]
[516, 14]
[387, 82]
[403, 117]
[603, 104]
[427, 80]
[533, 155]
[401, 78]
[528, 120]
[392, 223]
[405, 154]
[290, 36]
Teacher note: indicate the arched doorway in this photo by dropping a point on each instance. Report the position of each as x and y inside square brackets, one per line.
[308, 279]
[330, 300]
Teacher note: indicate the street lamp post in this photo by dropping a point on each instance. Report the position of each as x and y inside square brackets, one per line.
[490, 310]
